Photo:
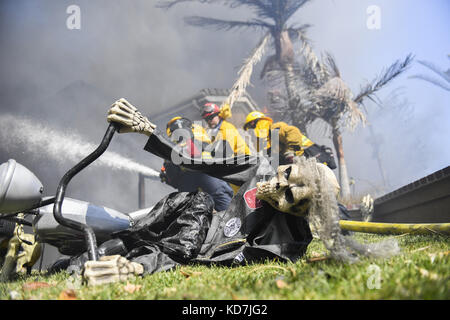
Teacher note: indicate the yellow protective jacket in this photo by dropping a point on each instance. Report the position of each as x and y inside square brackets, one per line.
[230, 134]
[200, 134]
[291, 139]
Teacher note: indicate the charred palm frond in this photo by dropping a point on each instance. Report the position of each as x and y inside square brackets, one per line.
[246, 71]
[331, 99]
[281, 64]
[299, 33]
[369, 90]
[277, 10]
[167, 4]
[225, 25]
[331, 65]
[438, 82]
[271, 15]
[314, 72]
[264, 9]
[431, 66]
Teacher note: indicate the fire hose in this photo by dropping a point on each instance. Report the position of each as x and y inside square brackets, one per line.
[396, 228]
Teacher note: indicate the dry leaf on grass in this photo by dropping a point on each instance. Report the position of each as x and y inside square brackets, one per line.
[132, 288]
[35, 285]
[439, 255]
[292, 270]
[322, 258]
[428, 274]
[315, 254]
[281, 284]
[188, 274]
[68, 294]
[421, 249]
[236, 297]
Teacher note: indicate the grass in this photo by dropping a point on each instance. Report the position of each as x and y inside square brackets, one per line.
[421, 271]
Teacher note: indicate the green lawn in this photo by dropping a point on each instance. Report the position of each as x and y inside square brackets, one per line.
[421, 271]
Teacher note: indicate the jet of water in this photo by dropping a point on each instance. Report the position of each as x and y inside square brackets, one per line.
[60, 146]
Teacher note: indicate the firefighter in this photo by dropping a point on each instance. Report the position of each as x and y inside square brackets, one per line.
[223, 131]
[291, 140]
[193, 140]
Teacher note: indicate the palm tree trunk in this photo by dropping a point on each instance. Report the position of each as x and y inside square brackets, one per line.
[285, 56]
[289, 81]
[286, 60]
[343, 175]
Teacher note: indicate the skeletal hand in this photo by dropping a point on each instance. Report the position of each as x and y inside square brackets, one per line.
[130, 119]
[110, 269]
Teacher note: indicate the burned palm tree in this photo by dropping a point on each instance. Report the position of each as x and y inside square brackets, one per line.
[272, 16]
[444, 83]
[329, 98]
[310, 90]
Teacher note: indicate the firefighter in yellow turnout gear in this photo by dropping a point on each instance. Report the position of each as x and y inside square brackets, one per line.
[193, 140]
[224, 134]
[292, 142]
[223, 131]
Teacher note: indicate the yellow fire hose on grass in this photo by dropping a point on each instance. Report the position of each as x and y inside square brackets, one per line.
[395, 228]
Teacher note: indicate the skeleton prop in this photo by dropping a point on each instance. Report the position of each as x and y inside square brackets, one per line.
[111, 269]
[292, 189]
[310, 189]
[22, 253]
[249, 230]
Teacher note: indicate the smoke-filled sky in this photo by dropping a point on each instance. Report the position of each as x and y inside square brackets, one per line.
[66, 79]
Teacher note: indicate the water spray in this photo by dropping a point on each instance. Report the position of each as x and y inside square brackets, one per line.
[61, 146]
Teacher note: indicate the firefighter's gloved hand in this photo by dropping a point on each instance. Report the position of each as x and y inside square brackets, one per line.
[163, 175]
[110, 269]
[130, 119]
